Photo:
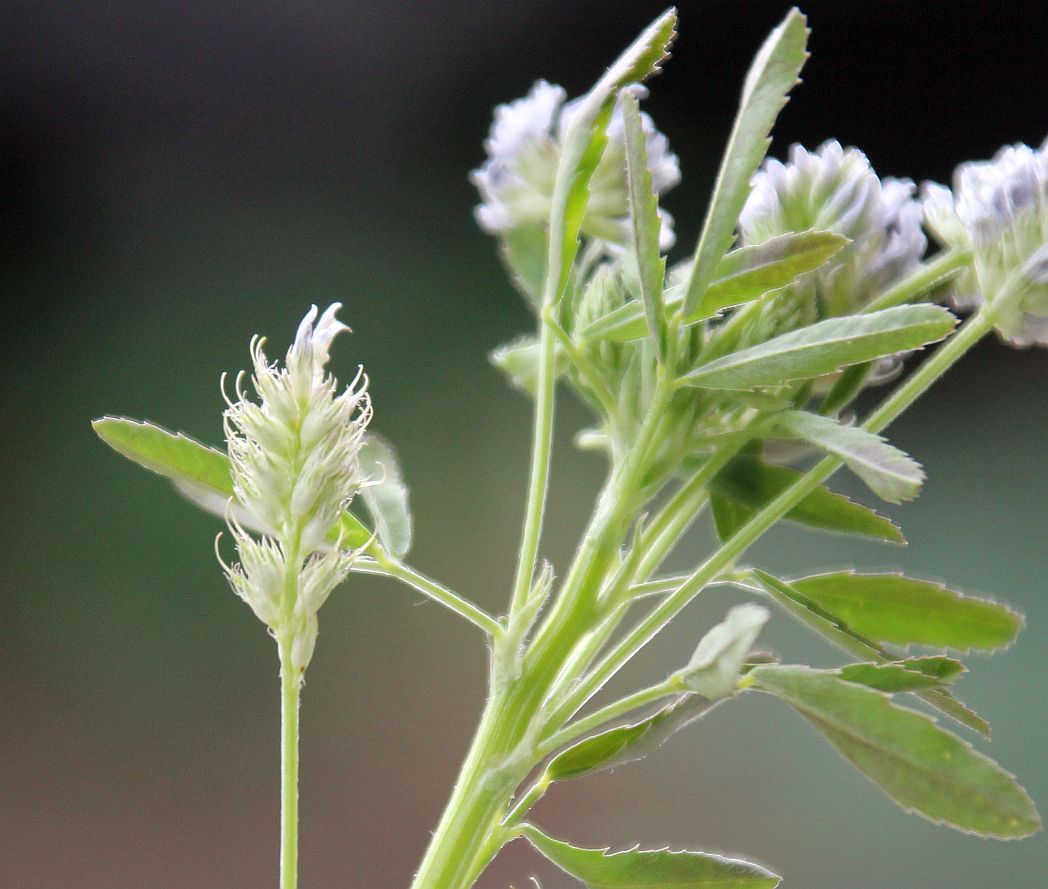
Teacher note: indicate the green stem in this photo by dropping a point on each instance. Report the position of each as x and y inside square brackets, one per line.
[908, 392]
[290, 690]
[386, 566]
[942, 268]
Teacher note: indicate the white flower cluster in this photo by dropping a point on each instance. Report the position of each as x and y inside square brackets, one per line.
[295, 465]
[516, 182]
[835, 189]
[999, 209]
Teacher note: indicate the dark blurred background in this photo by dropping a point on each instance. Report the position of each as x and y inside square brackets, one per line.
[179, 176]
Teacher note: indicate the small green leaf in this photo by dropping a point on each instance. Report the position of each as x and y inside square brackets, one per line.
[626, 743]
[911, 674]
[825, 347]
[750, 484]
[924, 768]
[742, 275]
[386, 497]
[834, 629]
[644, 214]
[772, 75]
[714, 667]
[658, 869]
[891, 474]
[172, 455]
[519, 361]
[524, 250]
[902, 611]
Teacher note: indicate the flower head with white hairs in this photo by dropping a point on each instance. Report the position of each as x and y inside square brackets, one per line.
[999, 210]
[295, 460]
[523, 147]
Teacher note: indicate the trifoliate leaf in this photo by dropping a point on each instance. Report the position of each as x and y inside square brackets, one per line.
[922, 767]
[714, 667]
[386, 497]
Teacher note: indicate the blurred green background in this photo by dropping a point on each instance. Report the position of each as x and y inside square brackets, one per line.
[177, 177]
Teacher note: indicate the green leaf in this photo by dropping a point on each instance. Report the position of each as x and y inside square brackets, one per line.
[902, 611]
[659, 869]
[626, 743]
[386, 498]
[837, 631]
[742, 275]
[825, 347]
[911, 674]
[585, 139]
[772, 75]
[924, 768]
[199, 473]
[891, 474]
[524, 250]
[715, 666]
[519, 361]
[750, 484]
[644, 214]
[172, 455]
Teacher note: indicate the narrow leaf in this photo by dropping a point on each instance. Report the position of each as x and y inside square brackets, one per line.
[750, 484]
[386, 497]
[626, 743]
[773, 74]
[825, 347]
[523, 250]
[742, 275]
[644, 215]
[924, 768]
[835, 630]
[714, 667]
[891, 474]
[902, 611]
[911, 674]
[659, 869]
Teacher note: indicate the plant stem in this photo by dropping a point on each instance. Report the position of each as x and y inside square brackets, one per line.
[290, 690]
[386, 566]
[908, 392]
[942, 268]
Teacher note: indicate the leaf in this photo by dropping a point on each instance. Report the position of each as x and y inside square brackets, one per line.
[772, 75]
[386, 497]
[845, 389]
[750, 484]
[524, 250]
[835, 630]
[891, 474]
[172, 455]
[644, 214]
[199, 473]
[714, 667]
[519, 361]
[902, 611]
[906, 675]
[626, 743]
[825, 347]
[659, 869]
[924, 768]
[584, 141]
[742, 275]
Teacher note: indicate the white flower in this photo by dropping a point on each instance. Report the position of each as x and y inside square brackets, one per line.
[999, 209]
[516, 182]
[295, 461]
[835, 189]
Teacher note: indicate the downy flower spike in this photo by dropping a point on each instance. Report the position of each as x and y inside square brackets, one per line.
[523, 147]
[999, 209]
[295, 463]
[835, 189]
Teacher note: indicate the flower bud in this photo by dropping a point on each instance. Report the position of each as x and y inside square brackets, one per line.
[999, 210]
[524, 147]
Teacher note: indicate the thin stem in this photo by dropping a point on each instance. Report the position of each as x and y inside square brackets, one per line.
[290, 690]
[527, 801]
[387, 566]
[942, 268]
[922, 379]
[588, 371]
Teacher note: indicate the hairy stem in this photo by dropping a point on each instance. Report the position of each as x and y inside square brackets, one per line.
[290, 690]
